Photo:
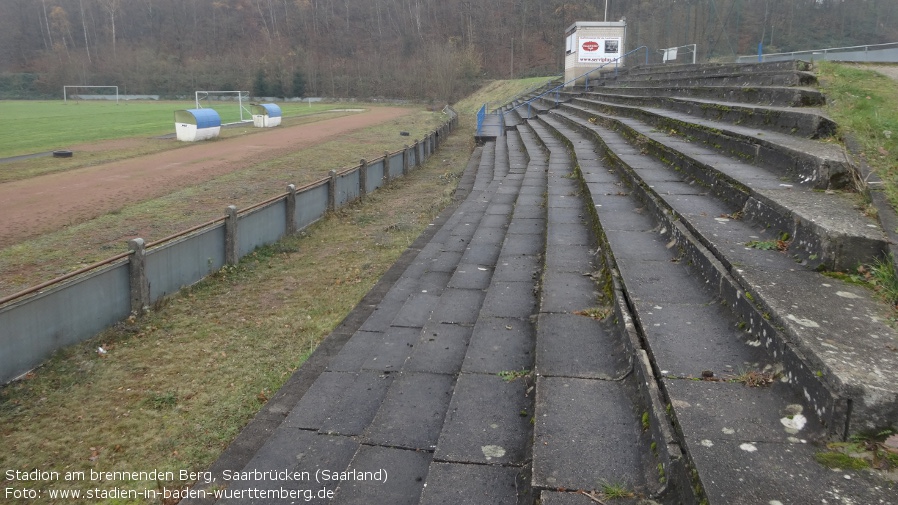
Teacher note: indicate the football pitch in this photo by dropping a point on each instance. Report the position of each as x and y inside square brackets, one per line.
[33, 126]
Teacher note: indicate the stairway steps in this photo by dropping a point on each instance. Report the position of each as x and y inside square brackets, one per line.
[413, 409]
[488, 418]
[475, 485]
[588, 406]
[280, 452]
[368, 402]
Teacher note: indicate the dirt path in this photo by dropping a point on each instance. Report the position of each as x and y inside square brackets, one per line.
[886, 70]
[46, 203]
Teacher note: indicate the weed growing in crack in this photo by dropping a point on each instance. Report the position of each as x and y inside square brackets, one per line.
[597, 313]
[510, 375]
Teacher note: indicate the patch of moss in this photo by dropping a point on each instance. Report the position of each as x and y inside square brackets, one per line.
[840, 460]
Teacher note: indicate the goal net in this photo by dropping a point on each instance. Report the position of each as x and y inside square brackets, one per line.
[71, 93]
[232, 108]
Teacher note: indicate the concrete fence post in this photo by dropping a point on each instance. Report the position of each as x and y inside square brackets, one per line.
[406, 160]
[140, 285]
[231, 251]
[332, 191]
[417, 148]
[386, 168]
[291, 209]
[363, 178]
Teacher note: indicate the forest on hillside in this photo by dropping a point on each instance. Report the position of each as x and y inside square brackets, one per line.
[418, 49]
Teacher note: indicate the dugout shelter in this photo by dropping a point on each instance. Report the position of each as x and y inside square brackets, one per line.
[266, 115]
[197, 124]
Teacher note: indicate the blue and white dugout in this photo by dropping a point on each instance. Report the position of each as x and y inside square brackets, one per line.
[197, 124]
[266, 115]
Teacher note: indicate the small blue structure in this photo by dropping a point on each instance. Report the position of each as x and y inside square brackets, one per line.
[266, 115]
[197, 124]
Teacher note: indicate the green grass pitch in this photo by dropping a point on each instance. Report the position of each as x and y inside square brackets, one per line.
[32, 126]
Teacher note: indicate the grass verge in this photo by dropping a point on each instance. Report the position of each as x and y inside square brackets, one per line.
[171, 390]
[865, 104]
[498, 92]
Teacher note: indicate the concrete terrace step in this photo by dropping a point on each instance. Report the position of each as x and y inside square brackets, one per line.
[779, 96]
[735, 78]
[369, 410]
[805, 161]
[780, 290]
[804, 122]
[743, 444]
[513, 116]
[597, 420]
[825, 228]
[484, 449]
[699, 69]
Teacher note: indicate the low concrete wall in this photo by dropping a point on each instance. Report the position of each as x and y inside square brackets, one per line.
[65, 311]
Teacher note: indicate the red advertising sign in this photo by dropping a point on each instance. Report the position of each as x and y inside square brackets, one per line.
[590, 45]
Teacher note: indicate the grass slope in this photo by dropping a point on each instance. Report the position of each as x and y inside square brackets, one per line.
[865, 104]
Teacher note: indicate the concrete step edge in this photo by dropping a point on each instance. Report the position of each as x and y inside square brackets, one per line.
[832, 393]
[821, 241]
[801, 122]
[783, 96]
[823, 165]
[826, 402]
[788, 79]
[669, 480]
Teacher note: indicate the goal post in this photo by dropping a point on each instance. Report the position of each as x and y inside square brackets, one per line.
[65, 91]
[242, 101]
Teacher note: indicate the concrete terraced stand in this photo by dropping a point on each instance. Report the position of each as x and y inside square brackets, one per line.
[586, 315]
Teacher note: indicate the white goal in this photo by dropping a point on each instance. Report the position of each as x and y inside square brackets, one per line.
[242, 101]
[66, 94]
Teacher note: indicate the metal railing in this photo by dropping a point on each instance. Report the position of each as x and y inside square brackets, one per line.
[883, 53]
[481, 115]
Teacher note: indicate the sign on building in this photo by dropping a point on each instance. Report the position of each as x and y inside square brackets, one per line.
[590, 44]
[599, 50]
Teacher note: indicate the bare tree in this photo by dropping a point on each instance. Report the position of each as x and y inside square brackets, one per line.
[47, 21]
[84, 28]
[111, 7]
